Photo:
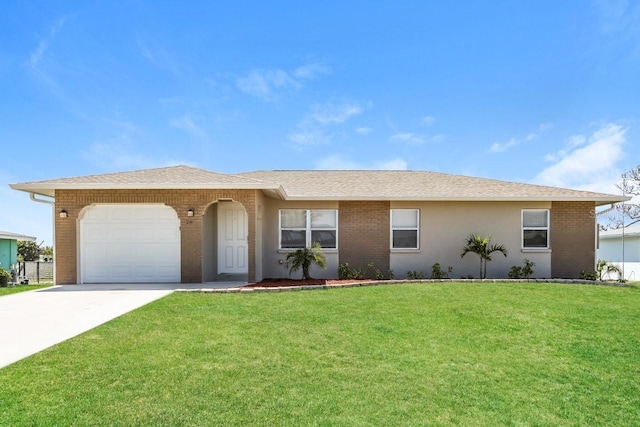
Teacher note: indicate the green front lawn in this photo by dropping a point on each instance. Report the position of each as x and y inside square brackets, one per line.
[21, 288]
[414, 354]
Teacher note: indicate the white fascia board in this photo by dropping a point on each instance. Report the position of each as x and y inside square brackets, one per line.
[49, 189]
[17, 237]
[598, 201]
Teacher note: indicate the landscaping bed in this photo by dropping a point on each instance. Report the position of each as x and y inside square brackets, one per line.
[282, 283]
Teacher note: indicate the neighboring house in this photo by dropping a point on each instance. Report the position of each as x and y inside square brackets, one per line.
[622, 247]
[9, 248]
[182, 224]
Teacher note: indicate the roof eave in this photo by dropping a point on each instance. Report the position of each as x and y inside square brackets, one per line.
[598, 201]
[49, 189]
[19, 237]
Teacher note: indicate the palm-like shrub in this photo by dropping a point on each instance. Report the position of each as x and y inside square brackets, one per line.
[305, 258]
[482, 247]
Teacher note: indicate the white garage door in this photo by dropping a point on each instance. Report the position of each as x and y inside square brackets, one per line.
[129, 244]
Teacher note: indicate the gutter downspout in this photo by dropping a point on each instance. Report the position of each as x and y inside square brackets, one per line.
[53, 219]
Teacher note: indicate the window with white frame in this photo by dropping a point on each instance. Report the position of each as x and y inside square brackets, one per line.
[299, 228]
[535, 228]
[405, 228]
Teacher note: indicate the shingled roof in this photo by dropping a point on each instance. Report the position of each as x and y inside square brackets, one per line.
[325, 185]
[414, 185]
[173, 177]
[15, 236]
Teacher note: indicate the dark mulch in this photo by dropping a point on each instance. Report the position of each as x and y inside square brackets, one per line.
[277, 283]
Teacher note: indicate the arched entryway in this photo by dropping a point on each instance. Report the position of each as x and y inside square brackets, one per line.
[225, 232]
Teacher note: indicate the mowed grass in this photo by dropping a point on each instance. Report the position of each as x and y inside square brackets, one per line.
[413, 354]
[22, 288]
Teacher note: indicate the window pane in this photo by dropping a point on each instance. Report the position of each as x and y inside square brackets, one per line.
[535, 238]
[405, 239]
[534, 218]
[404, 218]
[326, 238]
[323, 219]
[293, 239]
[293, 218]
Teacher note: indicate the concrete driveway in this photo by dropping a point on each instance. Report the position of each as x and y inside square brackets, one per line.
[35, 320]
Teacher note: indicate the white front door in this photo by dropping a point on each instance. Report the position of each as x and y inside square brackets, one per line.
[232, 239]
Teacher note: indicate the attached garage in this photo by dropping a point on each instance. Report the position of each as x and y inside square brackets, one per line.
[129, 243]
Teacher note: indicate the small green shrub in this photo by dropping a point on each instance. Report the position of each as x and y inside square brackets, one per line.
[5, 276]
[606, 268]
[346, 272]
[589, 275]
[411, 275]
[437, 273]
[523, 272]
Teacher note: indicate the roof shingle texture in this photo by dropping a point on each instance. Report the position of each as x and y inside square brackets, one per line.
[408, 185]
[326, 185]
[173, 175]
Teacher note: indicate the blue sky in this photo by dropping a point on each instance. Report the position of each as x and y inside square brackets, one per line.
[543, 92]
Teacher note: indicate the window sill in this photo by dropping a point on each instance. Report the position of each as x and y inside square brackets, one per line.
[405, 250]
[326, 251]
[535, 250]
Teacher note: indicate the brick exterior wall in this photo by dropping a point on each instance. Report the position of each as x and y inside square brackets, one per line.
[572, 234]
[74, 201]
[364, 233]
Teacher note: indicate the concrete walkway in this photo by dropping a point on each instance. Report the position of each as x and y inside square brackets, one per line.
[35, 320]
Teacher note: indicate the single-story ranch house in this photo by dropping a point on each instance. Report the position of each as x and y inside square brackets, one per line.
[183, 224]
[9, 248]
[621, 246]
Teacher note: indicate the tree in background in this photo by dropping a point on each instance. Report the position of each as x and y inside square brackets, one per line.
[47, 253]
[28, 251]
[627, 213]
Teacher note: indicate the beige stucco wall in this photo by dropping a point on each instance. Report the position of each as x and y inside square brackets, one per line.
[273, 260]
[444, 227]
[261, 202]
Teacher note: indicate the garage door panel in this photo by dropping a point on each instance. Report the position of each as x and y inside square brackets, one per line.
[120, 212]
[119, 232]
[93, 233]
[130, 243]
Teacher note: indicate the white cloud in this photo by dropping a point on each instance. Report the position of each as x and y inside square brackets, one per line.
[116, 154]
[269, 84]
[410, 138]
[121, 152]
[312, 128]
[309, 138]
[363, 130]
[158, 55]
[428, 120]
[310, 71]
[331, 113]
[36, 55]
[499, 147]
[337, 162]
[264, 84]
[393, 164]
[587, 163]
[618, 16]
